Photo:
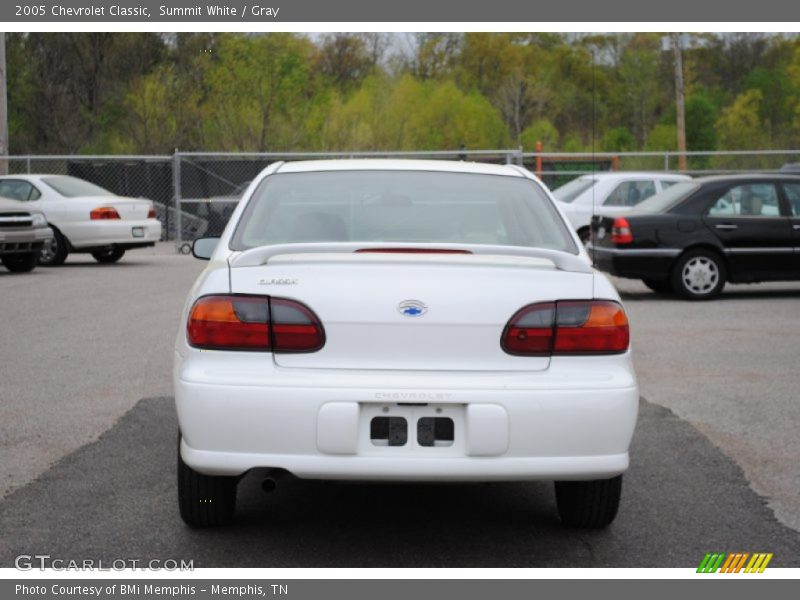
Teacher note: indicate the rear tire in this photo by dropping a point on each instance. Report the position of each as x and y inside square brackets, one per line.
[699, 275]
[108, 255]
[588, 504]
[661, 286]
[55, 251]
[204, 500]
[21, 263]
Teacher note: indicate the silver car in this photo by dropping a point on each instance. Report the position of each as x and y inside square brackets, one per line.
[23, 233]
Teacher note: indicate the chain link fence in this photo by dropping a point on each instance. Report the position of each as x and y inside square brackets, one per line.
[195, 193]
[133, 176]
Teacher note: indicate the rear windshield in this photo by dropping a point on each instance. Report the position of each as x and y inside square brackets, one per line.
[667, 199]
[72, 187]
[569, 191]
[400, 206]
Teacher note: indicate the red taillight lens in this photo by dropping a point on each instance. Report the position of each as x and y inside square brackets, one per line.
[567, 327]
[151, 213]
[621, 231]
[257, 323]
[530, 332]
[294, 327]
[230, 323]
[104, 212]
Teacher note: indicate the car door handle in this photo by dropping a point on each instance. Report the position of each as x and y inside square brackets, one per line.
[796, 226]
[726, 226]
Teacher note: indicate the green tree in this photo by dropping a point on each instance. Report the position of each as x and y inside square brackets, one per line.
[618, 139]
[345, 59]
[259, 92]
[543, 131]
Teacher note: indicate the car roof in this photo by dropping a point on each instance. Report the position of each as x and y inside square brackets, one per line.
[34, 176]
[747, 177]
[627, 174]
[378, 164]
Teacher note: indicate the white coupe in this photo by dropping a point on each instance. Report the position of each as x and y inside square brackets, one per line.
[84, 217]
[391, 320]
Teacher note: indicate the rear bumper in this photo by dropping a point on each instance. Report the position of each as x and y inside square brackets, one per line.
[634, 263]
[94, 234]
[573, 422]
[361, 468]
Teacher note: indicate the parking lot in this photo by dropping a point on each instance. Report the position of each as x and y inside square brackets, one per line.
[87, 436]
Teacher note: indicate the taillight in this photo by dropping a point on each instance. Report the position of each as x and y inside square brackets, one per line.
[591, 327]
[103, 213]
[530, 332]
[621, 231]
[257, 323]
[567, 327]
[151, 213]
[294, 327]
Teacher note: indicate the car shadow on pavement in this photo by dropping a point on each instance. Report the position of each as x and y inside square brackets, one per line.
[727, 295]
[116, 499]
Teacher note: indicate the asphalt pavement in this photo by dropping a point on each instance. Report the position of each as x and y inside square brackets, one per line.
[115, 499]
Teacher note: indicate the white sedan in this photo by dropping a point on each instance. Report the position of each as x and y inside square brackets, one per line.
[390, 320]
[84, 217]
[608, 194]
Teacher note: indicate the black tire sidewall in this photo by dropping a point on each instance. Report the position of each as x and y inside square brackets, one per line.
[109, 256]
[660, 286]
[21, 263]
[194, 489]
[61, 251]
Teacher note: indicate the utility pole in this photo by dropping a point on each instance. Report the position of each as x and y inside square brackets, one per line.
[3, 108]
[679, 104]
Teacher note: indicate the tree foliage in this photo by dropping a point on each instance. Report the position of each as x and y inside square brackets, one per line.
[152, 93]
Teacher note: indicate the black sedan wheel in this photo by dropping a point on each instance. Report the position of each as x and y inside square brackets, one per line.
[588, 504]
[108, 255]
[205, 500]
[699, 275]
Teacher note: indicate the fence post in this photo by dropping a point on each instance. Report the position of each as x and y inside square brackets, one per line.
[666, 160]
[29, 165]
[539, 147]
[176, 188]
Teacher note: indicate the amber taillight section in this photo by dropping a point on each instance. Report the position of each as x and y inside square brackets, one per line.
[255, 323]
[567, 327]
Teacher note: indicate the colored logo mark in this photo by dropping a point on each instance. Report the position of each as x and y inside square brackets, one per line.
[734, 562]
[412, 308]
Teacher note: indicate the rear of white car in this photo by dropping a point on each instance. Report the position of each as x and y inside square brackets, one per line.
[610, 194]
[87, 218]
[403, 321]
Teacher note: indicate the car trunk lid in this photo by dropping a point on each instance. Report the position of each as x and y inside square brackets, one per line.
[129, 209]
[420, 311]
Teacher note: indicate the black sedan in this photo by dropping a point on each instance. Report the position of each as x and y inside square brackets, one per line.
[698, 234]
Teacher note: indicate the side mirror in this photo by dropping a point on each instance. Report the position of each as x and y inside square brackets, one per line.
[203, 248]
